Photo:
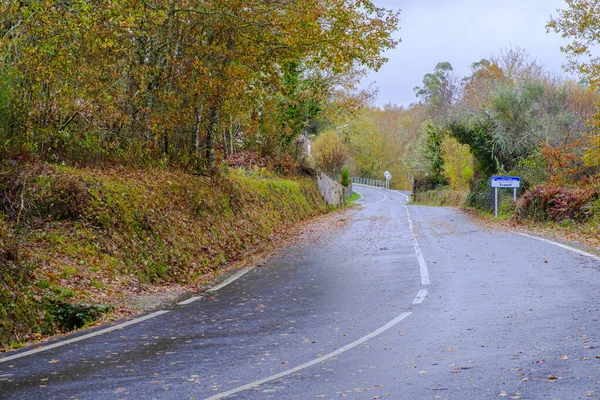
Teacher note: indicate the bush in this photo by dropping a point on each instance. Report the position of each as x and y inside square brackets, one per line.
[345, 177]
[443, 196]
[481, 196]
[556, 203]
[428, 183]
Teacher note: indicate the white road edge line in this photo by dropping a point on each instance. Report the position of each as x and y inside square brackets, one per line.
[376, 191]
[319, 360]
[422, 264]
[361, 196]
[189, 301]
[230, 280]
[83, 337]
[420, 297]
[564, 246]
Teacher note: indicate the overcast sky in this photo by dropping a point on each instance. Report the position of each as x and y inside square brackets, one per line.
[462, 32]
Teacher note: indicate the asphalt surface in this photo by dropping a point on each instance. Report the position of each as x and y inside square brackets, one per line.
[505, 316]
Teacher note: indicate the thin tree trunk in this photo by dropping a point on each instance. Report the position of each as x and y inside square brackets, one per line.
[213, 129]
[197, 137]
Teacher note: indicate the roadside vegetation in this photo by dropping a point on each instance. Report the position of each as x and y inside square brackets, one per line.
[146, 144]
[509, 116]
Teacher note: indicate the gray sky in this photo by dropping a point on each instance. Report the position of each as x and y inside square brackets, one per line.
[462, 32]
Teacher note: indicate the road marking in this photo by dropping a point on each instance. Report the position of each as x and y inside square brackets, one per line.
[83, 337]
[376, 191]
[189, 301]
[420, 297]
[319, 360]
[361, 196]
[231, 280]
[407, 198]
[413, 237]
[564, 246]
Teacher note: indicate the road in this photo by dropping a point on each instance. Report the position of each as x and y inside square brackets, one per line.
[404, 303]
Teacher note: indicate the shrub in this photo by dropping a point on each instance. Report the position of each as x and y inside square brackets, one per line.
[345, 177]
[556, 203]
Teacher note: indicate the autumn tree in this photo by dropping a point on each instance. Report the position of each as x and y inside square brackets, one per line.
[579, 22]
[175, 81]
[329, 153]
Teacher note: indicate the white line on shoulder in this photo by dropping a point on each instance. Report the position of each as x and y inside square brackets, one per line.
[189, 301]
[231, 280]
[319, 360]
[420, 296]
[83, 337]
[564, 246]
[419, 253]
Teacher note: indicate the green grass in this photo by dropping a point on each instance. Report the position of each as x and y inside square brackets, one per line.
[352, 199]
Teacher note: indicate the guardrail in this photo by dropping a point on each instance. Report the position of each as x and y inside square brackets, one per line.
[369, 182]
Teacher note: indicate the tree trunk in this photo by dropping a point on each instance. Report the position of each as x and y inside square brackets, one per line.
[213, 129]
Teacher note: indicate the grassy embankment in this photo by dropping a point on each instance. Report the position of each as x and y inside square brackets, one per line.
[74, 243]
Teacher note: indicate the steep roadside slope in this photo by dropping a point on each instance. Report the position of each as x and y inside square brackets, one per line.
[77, 243]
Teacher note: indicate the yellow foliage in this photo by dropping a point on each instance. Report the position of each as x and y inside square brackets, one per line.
[329, 153]
[592, 156]
[458, 163]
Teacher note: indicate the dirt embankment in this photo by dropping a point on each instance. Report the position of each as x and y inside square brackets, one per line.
[78, 244]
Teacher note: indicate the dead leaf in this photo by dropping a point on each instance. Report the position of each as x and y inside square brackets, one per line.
[564, 357]
[53, 361]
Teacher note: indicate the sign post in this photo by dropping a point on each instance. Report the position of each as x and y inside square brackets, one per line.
[504, 182]
[388, 177]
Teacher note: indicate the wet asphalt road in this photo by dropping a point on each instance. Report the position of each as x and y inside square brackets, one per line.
[505, 316]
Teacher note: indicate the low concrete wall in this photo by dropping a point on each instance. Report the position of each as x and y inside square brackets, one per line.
[332, 192]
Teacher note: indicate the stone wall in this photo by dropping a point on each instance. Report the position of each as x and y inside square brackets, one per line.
[332, 192]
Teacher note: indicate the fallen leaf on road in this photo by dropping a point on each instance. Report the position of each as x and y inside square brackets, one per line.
[564, 357]
[53, 361]
[553, 378]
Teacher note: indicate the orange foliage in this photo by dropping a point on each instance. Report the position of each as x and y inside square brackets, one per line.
[565, 164]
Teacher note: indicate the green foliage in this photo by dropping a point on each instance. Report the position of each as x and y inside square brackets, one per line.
[345, 177]
[66, 316]
[478, 137]
[481, 196]
[438, 88]
[533, 171]
[433, 153]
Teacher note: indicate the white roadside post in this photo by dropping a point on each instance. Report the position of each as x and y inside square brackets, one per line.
[506, 182]
[388, 177]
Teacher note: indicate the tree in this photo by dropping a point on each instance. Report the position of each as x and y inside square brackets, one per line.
[458, 163]
[439, 88]
[580, 23]
[178, 81]
[329, 153]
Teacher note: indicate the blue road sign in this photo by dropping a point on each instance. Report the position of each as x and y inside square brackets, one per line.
[508, 182]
